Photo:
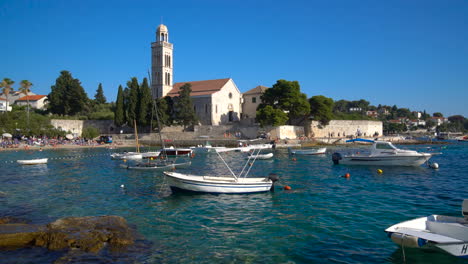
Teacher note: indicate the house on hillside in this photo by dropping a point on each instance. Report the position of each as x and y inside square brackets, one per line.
[35, 101]
[3, 105]
[216, 102]
[251, 100]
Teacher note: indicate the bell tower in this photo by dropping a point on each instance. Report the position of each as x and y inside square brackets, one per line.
[161, 63]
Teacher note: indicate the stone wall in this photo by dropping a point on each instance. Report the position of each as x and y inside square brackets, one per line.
[286, 132]
[76, 126]
[345, 128]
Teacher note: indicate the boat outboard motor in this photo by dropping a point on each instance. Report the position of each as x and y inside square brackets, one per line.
[336, 157]
[274, 178]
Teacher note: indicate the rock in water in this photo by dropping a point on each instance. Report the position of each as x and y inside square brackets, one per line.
[14, 236]
[89, 234]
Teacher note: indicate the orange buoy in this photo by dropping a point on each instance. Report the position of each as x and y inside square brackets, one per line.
[347, 175]
[287, 188]
[294, 159]
[193, 155]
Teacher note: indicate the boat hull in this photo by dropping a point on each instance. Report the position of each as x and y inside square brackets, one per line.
[319, 151]
[32, 161]
[176, 152]
[385, 160]
[208, 184]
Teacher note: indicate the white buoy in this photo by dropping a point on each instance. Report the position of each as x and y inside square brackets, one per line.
[122, 186]
[433, 165]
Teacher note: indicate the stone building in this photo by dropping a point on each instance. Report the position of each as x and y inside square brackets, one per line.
[216, 102]
[251, 100]
[161, 63]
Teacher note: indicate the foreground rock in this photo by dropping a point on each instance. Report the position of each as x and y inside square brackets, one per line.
[87, 234]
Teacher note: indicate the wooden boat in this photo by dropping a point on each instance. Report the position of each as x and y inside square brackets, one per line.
[447, 233]
[318, 151]
[221, 183]
[158, 165]
[32, 161]
[176, 151]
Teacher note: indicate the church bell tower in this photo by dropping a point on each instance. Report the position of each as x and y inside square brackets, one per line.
[161, 63]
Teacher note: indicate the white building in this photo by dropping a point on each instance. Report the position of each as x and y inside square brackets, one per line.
[35, 101]
[216, 102]
[4, 106]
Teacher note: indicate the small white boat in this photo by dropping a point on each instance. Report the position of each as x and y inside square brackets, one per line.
[205, 149]
[151, 154]
[318, 151]
[447, 233]
[32, 161]
[382, 153]
[261, 156]
[217, 184]
[233, 183]
[171, 151]
[127, 156]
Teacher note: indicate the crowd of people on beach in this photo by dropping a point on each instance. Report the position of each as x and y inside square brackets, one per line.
[28, 142]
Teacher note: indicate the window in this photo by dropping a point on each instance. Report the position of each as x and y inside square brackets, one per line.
[230, 95]
[254, 100]
[216, 108]
[206, 108]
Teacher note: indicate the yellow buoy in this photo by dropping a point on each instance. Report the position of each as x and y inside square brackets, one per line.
[379, 171]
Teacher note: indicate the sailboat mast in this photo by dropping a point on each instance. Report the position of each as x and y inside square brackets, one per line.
[157, 116]
[136, 137]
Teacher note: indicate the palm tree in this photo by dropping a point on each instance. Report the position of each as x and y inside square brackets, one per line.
[25, 89]
[6, 89]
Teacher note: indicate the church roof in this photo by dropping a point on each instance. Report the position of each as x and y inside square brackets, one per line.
[257, 90]
[200, 87]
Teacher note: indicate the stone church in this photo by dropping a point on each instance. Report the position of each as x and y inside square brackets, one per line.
[216, 102]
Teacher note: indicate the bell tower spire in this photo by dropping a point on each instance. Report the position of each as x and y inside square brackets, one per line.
[161, 63]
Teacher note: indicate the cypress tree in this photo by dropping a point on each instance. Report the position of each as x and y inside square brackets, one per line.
[132, 109]
[144, 104]
[119, 117]
[99, 96]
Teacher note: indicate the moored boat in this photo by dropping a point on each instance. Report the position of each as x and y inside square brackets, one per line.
[171, 151]
[447, 233]
[318, 151]
[382, 153]
[33, 161]
[233, 183]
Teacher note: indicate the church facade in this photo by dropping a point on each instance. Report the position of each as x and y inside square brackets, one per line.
[216, 102]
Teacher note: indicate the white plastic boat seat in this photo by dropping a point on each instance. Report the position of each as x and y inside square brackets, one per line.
[214, 178]
[465, 209]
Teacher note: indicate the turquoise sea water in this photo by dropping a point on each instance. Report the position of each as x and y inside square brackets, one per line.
[324, 218]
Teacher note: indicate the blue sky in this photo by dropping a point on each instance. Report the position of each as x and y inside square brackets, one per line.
[412, 53]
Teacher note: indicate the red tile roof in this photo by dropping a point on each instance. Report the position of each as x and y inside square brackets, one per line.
[200, 87]
[31, 97]
[257, 90]
[2, 99]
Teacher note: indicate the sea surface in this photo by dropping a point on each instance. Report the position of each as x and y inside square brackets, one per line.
[324, 218]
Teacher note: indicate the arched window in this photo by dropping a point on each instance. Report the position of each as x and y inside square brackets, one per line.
[230, 95]
[168, 79]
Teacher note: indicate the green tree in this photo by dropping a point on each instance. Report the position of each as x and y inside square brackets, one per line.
[132, 108]
[271, 116]
[437, 114]
[26, 89]
[341, 106]
[90, 132]
[99, 96]
[170, 110]
[119, 117]
[185, 114]
[67, 96]
[321, 108]
[286, 96]
[6, 89]
[162, 112]
[144, 104]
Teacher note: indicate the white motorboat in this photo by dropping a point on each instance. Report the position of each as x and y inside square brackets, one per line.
[205, 148]
[127, 156]
[233, 183]
[447, 233]
[171, 151]
[318, 151]
[32, 161]
[150, 154]
[261, 156]
[382, 153]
